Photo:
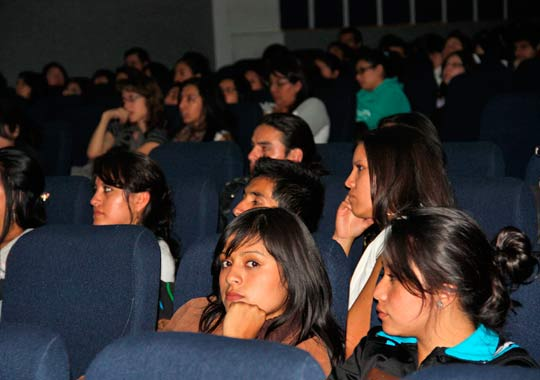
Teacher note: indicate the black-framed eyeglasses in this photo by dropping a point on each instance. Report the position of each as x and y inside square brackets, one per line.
[362, 70]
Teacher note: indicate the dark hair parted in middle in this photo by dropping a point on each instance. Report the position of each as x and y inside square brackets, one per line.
[406, 170]
[309, 295]
[452, 254]
[134, 173]
[296, 134]
[296, 188]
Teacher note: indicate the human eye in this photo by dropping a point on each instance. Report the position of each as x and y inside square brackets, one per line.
[226, 263]
[252, 264]
[360, 167]
[107, 189]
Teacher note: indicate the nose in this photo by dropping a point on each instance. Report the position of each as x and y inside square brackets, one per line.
[349, 182]
[380, 290]
[233, 275]
[96, 199]
[240, 207]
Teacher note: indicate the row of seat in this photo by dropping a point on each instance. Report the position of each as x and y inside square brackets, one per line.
[94, 285]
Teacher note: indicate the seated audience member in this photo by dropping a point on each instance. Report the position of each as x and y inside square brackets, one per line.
[269, 284]
[443, 297]
[102, 77]
[203, 112]
[341, 51]
[137, 125]
[285, 137]
[137, 58]
[285, 184]
[525, 47]
[289, 91]
[394, 168]
[234, 87]
[130, 188]
[21, 201]
[252, 70]
[191, 64]
[160, 73]
[279, 136]
[126, 73]
[456, 63]
[380, 95]
[56, 77]
[456, 41]
[30, 86]
[76, 86]
[351, 37]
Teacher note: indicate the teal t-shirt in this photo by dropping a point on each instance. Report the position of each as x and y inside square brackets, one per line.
[385, 100]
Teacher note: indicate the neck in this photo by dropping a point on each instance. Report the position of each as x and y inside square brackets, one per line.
[448, 329]
[14, 231]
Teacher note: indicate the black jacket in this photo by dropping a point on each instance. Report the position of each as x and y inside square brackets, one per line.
[398, 356]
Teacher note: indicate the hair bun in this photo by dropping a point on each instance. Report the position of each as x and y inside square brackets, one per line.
[513, 256]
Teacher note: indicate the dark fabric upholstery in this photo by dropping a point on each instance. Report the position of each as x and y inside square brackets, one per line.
[474, 158]
[69, 200]
[168, 356]
[32, 353]
[90, 284]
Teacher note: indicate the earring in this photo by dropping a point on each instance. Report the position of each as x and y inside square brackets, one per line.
[440, 304]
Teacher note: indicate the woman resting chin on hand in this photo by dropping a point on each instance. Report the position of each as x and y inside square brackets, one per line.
[257, 260]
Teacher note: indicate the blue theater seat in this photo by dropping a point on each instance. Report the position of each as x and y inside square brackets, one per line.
[337, 157]
[187, 356]
[474, 158]
[90, 284]
[32, 353]
[69, 200]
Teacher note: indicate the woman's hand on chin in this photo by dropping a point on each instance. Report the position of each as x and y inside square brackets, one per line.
[349, 226]
[243, 320]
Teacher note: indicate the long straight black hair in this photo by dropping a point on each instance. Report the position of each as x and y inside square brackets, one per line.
[309, 297]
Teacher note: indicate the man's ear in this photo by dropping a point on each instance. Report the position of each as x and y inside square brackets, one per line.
[295, 155]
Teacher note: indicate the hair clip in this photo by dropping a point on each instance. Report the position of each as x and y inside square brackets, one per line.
[44, 196]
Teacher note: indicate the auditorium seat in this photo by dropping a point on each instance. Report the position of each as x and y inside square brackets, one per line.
[187, 356]
[90, 284]
[337, 157]
[221, 161]
[474, 158]
[511, 121]
[32, 353]
[497, 202]
[69, 200]
[196, 203]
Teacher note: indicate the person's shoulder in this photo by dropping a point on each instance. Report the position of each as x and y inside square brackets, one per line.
[318, 350]
[187, 317]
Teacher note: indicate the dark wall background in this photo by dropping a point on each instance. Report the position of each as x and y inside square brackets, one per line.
[86, 35]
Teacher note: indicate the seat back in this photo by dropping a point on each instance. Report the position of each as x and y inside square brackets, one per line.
[334, 193]
[31, 353]
[474, 372]
[91, 284]
[496, 203]
[221, 161]
[69, 200]
[55, 148]
[168, 356]
[512, 121]
[196, 203]
[337, 158]
[474, 158]
[523, 324]
[194, 275]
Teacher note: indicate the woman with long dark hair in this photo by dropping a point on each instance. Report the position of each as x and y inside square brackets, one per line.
[270, 284]
[130, 188]
[444, 296]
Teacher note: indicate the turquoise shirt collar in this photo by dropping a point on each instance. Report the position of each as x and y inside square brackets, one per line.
[480, 346]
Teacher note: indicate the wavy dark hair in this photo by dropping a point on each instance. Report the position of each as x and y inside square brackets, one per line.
[309, 291]
[134, 173]
[23, 182]
[406, 170]
[449, 248]
[150, 90]
[289, 66]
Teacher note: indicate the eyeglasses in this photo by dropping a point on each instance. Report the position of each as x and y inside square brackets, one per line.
[362, 70]
[280, 82]
[131, 98]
